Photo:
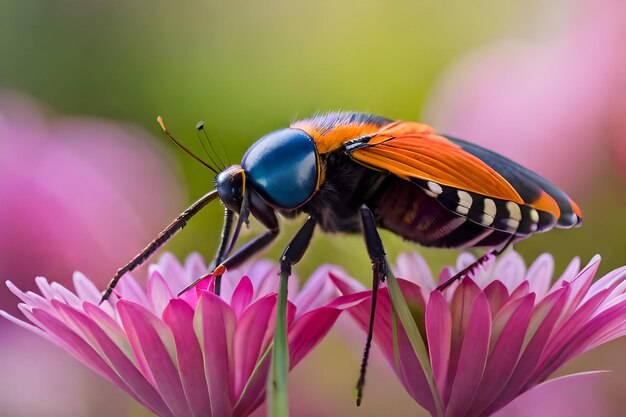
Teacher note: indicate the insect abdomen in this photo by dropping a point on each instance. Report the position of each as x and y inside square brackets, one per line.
[405, 209]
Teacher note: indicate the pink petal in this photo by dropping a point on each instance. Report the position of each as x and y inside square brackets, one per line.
[346, 286]
[173, 273]
[248, 343]
[242, 296]
[522, 290]
[27, 326]
[77, 346]
[159, 293]
[616, 296]
[146, 334]
[27, 311]
[195, 266]
[579, 342]
[608, 280]
[577, 395]
[445, 274]
[568, 275]
[319, 289]
[464, 260]
[348, 301]
[136, 384]
[505, 353]
[541, 325]
[411, 373]
[62, 310]
[190, 297]
[412, 267]
[29, 297]
[438, 330]
[264, 277]
[510, 269]
[253, 394]
[460, 309]
[178, 315]
[214, 324]
[581, 284]
[44, 288]
[66, 295]
[610, 334]
[308, 330]
[129, 290]
[483, 274]
[112, 329]
[498, 295]
[572, 325]
[472, 358]
[539, 275]
[501, 320]
[86, 289]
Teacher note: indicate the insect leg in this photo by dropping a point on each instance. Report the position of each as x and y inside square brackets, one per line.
[176, 225]
[376, 252]
[297, 246]
[468, 269]
[241, 255]
[267, 217]
[223, 247]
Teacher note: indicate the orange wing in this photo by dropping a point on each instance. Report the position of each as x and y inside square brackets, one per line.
[414, 150]
[469, 180]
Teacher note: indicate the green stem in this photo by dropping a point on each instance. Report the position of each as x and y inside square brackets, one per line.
[408, 323]
[278, 399]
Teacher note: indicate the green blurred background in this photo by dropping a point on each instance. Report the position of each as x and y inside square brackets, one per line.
[247, 68]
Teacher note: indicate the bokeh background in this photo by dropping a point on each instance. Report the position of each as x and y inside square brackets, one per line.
[86, 177]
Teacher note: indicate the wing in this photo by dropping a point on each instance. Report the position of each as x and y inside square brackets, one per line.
[471, 181]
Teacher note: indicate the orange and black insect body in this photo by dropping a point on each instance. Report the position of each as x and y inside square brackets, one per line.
[354, 173]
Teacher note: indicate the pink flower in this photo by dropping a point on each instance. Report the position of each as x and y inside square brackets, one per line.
[578, 395]
[198, 355]
[76, 193]
[498, 333]
[549, 104]
[64, 387]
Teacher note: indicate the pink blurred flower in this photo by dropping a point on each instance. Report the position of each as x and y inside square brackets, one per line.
[498, 333]
[578, 395]
[64, 387]
[76, 193]
[550, 105]
[198, 355]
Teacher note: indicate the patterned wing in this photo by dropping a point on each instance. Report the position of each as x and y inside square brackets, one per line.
[471, 181]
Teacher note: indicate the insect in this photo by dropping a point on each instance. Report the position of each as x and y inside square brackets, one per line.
[355, 173]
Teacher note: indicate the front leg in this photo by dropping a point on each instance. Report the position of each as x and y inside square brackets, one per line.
[376, 252]
[294, 251]
[223, 247]
[240, 256]
[243, 253]
[166, 234]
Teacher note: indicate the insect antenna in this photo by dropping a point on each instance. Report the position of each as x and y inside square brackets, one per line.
[200, 127]
[194, 156]
[224, 152]
[212, 157]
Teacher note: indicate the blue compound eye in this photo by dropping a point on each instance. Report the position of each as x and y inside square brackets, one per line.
[282, 167]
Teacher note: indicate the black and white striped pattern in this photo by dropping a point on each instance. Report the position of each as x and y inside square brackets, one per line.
[528, 184]
[491, 213]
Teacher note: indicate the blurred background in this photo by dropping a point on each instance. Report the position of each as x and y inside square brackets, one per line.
[87, 178]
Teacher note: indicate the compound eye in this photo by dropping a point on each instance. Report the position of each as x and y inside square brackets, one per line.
[283, 168]
[230, 187]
